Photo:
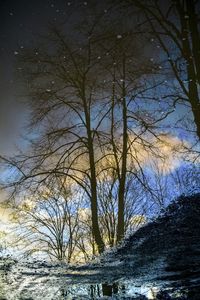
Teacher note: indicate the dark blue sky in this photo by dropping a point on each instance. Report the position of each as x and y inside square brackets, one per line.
[20, 23]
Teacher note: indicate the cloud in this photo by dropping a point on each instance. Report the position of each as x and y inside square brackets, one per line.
[170, 153]
[5, 215]
[164, 152]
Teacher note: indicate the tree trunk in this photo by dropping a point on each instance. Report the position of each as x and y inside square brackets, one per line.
[122, 182]
[195, 36]
[189, 56]
[93, 182]
[94, 206]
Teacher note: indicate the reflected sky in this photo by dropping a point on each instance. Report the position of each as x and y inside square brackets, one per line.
[21, 22]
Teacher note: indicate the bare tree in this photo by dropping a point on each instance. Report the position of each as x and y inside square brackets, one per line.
[67, 106]
[48, 221]
[175, 26]
[130, 124]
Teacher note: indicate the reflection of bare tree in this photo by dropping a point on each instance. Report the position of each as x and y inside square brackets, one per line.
[48, 222]
[175, 27]
[69, 85]
[95, 114]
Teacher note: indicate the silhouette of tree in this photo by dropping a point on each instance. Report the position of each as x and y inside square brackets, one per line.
[175, 27]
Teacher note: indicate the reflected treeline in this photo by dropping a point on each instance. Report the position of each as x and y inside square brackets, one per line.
[93, 291]
[119, 290]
